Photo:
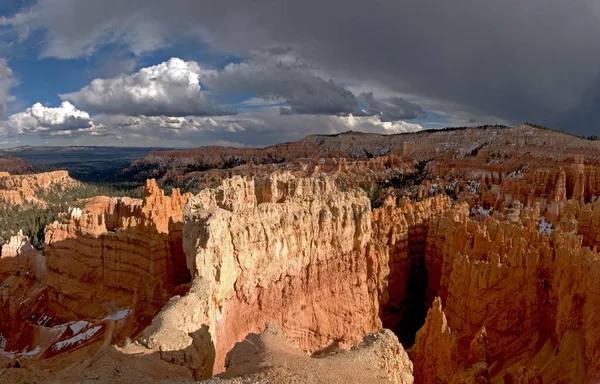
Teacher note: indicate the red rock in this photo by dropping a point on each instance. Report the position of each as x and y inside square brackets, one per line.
[300, 262]
[115, 253]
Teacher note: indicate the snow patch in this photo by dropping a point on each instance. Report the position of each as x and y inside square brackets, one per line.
[119, 315]
[78, 326]
[545, 227]
[473, 186]
[75, 212]
[32, 353]
[481, 210]
[77, 339]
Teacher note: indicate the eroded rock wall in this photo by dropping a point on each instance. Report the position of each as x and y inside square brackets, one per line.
[21, 189]
[533, 289]
[399, 241]
[116, 252]
[299, 260]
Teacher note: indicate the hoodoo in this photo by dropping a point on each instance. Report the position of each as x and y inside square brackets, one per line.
[450, 263]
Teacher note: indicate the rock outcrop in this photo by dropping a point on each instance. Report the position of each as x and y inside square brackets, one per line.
[22, 284]
[435, 353]
[296, 256]
[116, 252]
[14, 165]
[532, 289]
[31, 189]
[19, 256]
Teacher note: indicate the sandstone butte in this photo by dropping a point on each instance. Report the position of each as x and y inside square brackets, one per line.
[493, 281]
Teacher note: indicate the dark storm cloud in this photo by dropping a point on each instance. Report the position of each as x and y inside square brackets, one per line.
[393, 110]
[7, 82]
[518, 60]
[285, 78]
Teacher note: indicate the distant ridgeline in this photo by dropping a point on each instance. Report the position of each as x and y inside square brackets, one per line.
[90, 164]
[592, 137]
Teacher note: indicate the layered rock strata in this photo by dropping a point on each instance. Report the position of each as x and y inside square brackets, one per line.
[295, 253]
[22, 283]
[532, 288]
[18, 255]
[116, 252]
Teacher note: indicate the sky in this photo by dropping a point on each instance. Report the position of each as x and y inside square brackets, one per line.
[187, 73]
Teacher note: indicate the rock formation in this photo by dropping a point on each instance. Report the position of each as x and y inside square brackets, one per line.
[522, 283]
[435, 352]
[294, 254]
[18, 255]
[484, 241]
[399, 241]
[269, 357]
[31, 189]
[14, 165]
[22, 283]
[116, 253]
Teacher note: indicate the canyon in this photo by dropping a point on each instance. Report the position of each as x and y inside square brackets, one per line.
[451, 256]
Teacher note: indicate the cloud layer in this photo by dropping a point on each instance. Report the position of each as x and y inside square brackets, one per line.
[393, 110]
[517, 60]
[302, 90]
[7, 82]
[171, 88]
[258, 129]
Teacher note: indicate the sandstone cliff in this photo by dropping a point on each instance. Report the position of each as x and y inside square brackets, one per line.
[532, 290]
[116, 253]
[18, 255]
[294, 254]
[22, 284]
[398, 243]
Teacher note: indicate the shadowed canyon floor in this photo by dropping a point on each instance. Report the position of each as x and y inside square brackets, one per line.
[457, 256]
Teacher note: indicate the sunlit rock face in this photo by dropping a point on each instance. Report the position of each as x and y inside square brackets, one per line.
[297, 256]
[115, 253]
[530, 285]
[16, 190]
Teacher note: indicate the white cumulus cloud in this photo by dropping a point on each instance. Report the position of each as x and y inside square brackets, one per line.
[63, 120]
[171, 88]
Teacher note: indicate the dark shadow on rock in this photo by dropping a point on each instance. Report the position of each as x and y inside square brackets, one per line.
[198, 357]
